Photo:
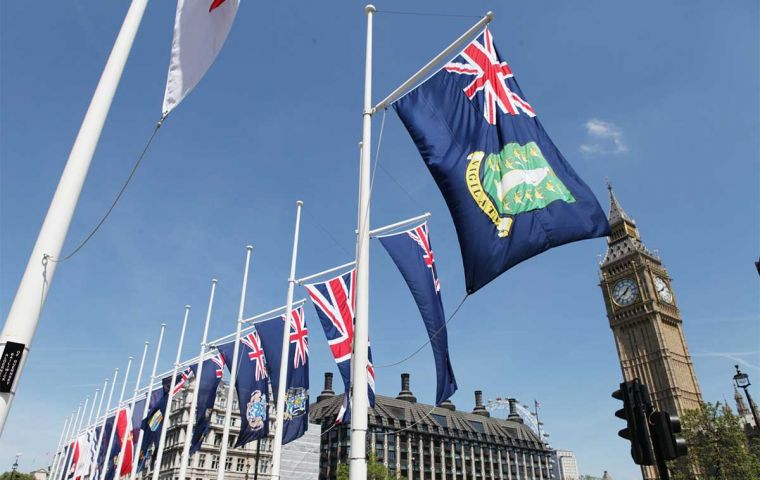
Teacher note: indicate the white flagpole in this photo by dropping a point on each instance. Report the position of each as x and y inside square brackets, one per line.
[170, 398]
[360, 399]
[84, 413]
[54, 463]
[24, 314]
[96, 470]
[198, 372]
[233, 370]
[92, 408]
[119, 463]
[282, 387]
[146, 407]
[107, 461]
[66, 444]
[72, 433]
[94, 464]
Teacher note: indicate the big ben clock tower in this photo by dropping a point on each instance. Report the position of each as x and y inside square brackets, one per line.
[645, 319]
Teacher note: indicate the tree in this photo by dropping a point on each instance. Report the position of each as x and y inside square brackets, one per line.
[718, 447]
[18, 476]
[375, 471]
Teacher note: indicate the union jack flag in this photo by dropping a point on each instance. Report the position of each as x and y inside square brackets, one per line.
[219, 362]
[256, 353]
[299, 336]
[491, 74]
[182, 379]
[420, 236]
[334, 301]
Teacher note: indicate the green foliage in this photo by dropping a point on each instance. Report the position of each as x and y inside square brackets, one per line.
[17, 476]
[718, 447]
[375, 471]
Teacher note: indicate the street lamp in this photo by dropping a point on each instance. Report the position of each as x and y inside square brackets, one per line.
[741, 380]
[15, 467]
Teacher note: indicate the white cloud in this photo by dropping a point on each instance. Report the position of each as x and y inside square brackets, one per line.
[603, 138]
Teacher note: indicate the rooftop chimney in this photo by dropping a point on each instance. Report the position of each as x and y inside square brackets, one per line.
[479, 408]
[448, 405]
[327, 392]
[406, 393]
[513, 415]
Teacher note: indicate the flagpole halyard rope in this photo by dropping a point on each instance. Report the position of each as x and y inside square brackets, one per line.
[428, 14]
[47, 257]
[451, 317]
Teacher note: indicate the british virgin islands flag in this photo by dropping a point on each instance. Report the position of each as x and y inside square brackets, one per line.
[510, 191]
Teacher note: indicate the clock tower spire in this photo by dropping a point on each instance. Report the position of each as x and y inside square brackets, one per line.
[645, 320]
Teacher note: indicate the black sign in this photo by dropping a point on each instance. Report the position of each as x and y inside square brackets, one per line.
[9, 364]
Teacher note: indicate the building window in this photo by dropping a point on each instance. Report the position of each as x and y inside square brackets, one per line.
[240, 465]
[233, 421]
[228, 463]
[217, 439]
[214, 462]
[202, 460]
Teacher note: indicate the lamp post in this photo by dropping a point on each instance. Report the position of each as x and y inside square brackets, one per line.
[15, 467]
[741, 380]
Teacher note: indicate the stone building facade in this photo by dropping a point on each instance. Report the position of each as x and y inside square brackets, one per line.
[422, 442]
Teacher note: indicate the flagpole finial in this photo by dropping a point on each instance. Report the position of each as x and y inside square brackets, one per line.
[490, 15]
[370, 8]
[214, 280]
[299, 203]
[249, 247]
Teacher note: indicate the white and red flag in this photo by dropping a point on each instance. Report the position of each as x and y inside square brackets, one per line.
[200, 29]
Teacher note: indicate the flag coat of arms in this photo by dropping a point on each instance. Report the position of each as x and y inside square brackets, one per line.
[296, 418]
[251, 385]
[213, 369]
[412, 253]
[151, 425]
[511, 193]
[334, 301]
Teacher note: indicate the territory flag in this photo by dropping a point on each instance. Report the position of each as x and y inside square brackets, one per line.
[296, 413]
[413, 255]
[510, 191]
[200, 29]
[122, 438]
[213, 369]
[251, 385]
[334, 301]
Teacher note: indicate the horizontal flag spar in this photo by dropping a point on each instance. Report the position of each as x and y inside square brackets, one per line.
[373, 233]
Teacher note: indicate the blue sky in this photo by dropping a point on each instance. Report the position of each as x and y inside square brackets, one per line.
[660, 98]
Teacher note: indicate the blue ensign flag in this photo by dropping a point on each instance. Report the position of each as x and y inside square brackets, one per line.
[211, 375]
[413, 255]
[296, 418]
[510, 191]
[251, 386]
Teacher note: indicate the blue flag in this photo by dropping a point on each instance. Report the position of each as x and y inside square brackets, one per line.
[251, 386]
[510, 191]
[108, 426]
[296, 417]
[151, 424]
[413, 255]
[213, 369]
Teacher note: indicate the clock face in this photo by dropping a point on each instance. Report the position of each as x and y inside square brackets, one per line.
[662, 290]
[625, 292]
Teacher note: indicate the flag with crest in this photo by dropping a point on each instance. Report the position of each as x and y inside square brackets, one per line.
[334, 301]
[296, 417]
[510, 191]
[211, 376]
[251, 385]
[412, 253]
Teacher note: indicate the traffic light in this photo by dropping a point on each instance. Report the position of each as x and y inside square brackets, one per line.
[664, 430]
[636, 404]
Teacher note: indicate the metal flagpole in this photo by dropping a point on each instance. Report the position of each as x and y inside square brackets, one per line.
[96, 470]
[146, 407]
[198, 372]
[233, 370]
[72, 435]
[24, 314]
[107, 461]
[123, 445]
[81, 420]
[94, 463]
[66, 446]
[280, 412]
[170, 396]
[92, 408]
[360, 399]
[54, 463]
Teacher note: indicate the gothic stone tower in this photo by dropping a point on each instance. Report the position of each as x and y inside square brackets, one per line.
[644, 318]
